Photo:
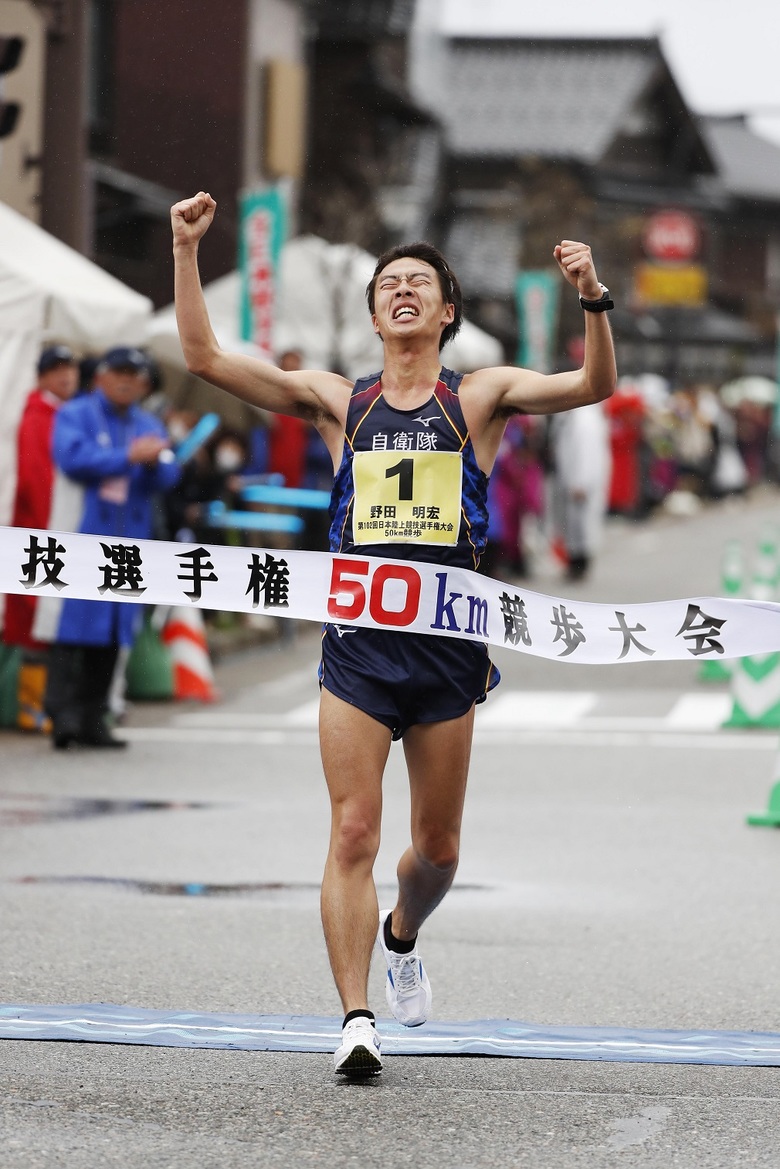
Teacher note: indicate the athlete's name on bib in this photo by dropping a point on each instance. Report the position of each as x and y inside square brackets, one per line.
[412, 497]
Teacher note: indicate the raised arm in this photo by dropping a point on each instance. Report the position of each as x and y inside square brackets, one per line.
[506, 389]
[316, 395]
[490, 396]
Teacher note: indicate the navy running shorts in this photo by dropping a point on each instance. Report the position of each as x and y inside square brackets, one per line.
[401, 679]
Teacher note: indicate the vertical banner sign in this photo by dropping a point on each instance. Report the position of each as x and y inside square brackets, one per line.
[537, 296]
[776, 417]
[262, 230]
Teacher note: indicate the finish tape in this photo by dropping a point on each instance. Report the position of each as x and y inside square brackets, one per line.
[378, 593]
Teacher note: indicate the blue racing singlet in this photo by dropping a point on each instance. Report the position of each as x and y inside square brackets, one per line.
[408, 486]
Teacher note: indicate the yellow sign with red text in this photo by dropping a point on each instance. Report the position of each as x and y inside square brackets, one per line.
[671, 284]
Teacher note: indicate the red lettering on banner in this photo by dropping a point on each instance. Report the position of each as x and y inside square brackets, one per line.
[411, 578]
[347, 597]
[340, 586]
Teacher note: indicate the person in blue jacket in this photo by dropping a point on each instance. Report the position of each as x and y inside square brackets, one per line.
[119, 454]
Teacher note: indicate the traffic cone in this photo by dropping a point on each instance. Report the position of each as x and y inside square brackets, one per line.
[731, 581]
[755, 681]
[185, 636]
[771, 817]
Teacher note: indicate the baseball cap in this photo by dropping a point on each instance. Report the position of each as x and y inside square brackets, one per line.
[125, 357]
[53, 356]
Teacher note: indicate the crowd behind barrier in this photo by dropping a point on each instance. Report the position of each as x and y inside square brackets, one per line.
[555, 481]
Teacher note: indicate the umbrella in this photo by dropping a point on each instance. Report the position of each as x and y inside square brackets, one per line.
[760, 390]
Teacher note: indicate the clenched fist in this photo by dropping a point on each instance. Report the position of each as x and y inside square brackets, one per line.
[576, 263]
[191, 218]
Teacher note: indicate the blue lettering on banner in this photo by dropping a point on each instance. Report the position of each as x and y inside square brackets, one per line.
[444, 608]
[478, 615]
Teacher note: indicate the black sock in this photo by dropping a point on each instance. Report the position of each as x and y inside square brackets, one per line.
[359, 1014]
[395, 944]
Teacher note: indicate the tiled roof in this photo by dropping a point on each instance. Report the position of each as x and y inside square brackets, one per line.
[485, 253]
[554, 98]
[748, 166]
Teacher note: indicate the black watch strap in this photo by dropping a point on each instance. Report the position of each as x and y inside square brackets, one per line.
[602, 305]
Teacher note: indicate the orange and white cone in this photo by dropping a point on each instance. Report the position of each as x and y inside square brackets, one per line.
[185, 636]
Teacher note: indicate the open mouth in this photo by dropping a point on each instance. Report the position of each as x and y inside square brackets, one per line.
[405, 312]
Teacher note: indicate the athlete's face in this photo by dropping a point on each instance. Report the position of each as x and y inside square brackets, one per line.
[408, 301]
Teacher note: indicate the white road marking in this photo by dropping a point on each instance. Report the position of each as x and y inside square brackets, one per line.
[218, 737]
[300, 716]
[532, 717]
[551, 737]
[699, 712]
[522, 709]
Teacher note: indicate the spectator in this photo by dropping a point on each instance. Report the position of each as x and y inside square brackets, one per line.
[57, 383]
[289, 437]
[184, 510]
[753, 421]
[87, 371]
[119, 454]
[581, 453]
[695, 411]
[625, 411]
[518, 490]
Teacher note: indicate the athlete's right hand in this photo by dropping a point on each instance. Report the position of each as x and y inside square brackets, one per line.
[191, 218]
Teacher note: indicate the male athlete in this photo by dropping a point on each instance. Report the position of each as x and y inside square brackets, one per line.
[383, 685]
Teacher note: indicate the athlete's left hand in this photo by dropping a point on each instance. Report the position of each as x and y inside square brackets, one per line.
[576, 263]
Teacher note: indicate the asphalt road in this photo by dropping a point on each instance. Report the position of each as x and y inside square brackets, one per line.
[608, 879]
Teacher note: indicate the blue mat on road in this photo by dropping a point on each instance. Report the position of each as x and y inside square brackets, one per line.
[105, 1023]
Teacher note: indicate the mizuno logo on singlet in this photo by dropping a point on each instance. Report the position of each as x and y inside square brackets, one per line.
[426, 421]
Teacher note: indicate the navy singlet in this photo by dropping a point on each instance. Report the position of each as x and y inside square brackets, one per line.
[408, 487]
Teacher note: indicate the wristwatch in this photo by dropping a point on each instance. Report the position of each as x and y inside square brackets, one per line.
[602, 305]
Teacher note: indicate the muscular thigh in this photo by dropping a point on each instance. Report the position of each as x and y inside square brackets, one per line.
[354, 749]
[437, 757]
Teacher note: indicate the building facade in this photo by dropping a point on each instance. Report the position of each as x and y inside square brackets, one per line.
[144, 103]
[591, 139]
[380, 129]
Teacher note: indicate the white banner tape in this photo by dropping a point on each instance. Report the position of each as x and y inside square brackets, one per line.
[402, 595]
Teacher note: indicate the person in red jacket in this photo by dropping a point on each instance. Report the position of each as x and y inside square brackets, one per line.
[58, 376]
[288, 436]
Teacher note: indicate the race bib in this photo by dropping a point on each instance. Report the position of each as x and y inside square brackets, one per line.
[410, 497]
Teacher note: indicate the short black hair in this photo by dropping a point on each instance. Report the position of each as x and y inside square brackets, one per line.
[448, 281]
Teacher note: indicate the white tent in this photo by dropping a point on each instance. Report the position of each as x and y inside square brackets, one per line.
[321, 312]
[48, 291]
[222, 299]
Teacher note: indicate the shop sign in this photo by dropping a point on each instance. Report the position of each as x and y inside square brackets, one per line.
[672, 236]
[679, 284]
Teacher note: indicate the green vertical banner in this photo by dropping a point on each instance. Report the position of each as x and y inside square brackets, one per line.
[261, 235]
[538, 295]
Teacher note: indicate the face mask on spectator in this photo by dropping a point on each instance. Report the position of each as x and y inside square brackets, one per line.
[178, 429]
[228, 458]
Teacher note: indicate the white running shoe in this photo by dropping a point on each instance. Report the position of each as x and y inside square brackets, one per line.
[360, 1053]
[408, 990]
